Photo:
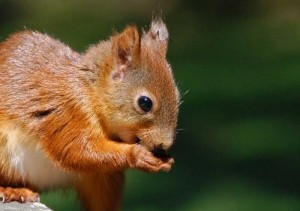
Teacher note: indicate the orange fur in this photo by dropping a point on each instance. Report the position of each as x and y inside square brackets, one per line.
[78, 113]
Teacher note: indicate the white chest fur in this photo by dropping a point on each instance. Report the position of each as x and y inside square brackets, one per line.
[28, 160]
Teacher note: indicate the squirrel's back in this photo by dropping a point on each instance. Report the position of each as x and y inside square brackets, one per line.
[37, 71]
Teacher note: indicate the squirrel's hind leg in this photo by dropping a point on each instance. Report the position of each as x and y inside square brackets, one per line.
[101, 191]
[21, 195]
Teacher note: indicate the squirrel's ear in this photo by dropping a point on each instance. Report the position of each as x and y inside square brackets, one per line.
[125, 51]
[157, 37]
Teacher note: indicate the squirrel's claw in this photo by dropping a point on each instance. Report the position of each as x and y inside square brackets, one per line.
[21, 195]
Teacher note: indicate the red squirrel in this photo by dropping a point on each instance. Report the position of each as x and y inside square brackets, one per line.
[80, 120]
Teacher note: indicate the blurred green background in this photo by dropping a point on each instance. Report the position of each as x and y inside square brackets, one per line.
[237, 64]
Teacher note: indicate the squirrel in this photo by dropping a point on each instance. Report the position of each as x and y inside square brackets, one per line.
[79, 120]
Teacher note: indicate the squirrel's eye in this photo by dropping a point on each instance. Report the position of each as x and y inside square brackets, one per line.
[145, 103]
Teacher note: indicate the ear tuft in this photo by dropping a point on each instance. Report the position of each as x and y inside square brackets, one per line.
[158, 31]
[157, 37]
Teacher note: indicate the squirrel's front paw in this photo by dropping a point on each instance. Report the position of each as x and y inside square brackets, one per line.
[21, 195]
[143, 159]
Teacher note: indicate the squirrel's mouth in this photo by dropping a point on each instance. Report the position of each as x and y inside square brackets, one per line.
[126, 137]
[131, 138]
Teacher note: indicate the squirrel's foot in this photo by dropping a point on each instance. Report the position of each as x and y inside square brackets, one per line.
[21, 195]
[145, 160]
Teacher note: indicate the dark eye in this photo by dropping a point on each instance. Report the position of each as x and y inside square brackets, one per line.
[145, 103]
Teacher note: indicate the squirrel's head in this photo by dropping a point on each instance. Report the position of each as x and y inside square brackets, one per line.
[139, 98]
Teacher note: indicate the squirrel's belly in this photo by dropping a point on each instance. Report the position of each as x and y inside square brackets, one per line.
[26, 158]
